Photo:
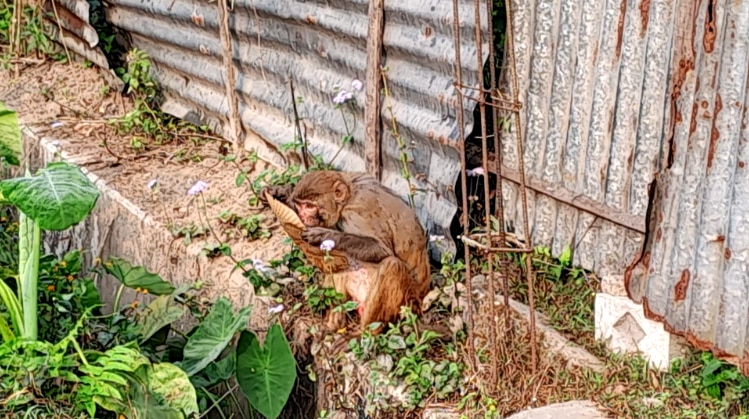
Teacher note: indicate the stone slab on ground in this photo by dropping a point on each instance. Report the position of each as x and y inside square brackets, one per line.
[622, 324]
[577, 409]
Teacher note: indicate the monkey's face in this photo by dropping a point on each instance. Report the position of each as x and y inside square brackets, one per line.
[309, 213]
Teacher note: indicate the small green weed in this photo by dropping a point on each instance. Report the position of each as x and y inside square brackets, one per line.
[405, 356]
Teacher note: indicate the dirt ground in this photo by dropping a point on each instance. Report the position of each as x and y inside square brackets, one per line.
[73, 105]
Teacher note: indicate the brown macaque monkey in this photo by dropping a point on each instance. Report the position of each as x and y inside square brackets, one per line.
[372, 225]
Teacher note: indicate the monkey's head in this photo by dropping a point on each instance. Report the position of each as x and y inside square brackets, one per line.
[319, 198]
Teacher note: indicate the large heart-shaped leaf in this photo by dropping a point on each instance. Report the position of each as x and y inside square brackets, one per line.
[266, 374]
[57, 197]
[137, 277]
[170, 382]
[10, 136]
[212, 336]
[161, 312]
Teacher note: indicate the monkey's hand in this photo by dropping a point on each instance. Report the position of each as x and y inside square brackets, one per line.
[316, 235]
[280, 192]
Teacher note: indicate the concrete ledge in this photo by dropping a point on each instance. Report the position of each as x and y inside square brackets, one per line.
[118, 227]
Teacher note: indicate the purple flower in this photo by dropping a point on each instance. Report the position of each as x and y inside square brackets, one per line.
[357, 84]
[342, 97]
[327, 245]
[197, 188]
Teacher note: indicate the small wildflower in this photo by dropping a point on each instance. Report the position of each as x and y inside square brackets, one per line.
[108, 264]
[137, 289]
[341, 331]
[97, 261]
[357, 84]
[275, 310]
[473, 198]
[342, 97]
[63, 263]
[434, 238]
[144, 290]
[3, 219]
[479, 171]
[259, 265]
[50, 287]
[152, 184]
[71, 278]
[134, 304]
[327, 245]
[197, 188]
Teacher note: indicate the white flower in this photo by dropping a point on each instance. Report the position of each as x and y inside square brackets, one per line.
[275, 310]
[479, 171]
[342, 97]
[438, 239]
[357, 84]
[259, 265]
[152, 183]
[197, 188]
[327, 245]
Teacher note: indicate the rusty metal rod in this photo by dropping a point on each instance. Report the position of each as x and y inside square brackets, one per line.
[499, 210]
[463, 183]
[523, 192]
[493, 344]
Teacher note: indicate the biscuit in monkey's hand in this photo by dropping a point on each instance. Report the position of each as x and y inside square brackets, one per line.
[293, 226]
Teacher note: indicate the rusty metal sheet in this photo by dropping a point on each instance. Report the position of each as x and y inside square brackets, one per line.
[69, 22]
[320, 45]
[593, 83]
[692, 274]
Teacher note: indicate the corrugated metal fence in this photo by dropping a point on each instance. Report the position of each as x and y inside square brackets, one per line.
[694, 270]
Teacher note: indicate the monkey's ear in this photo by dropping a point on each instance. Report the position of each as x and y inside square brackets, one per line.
[340, 191]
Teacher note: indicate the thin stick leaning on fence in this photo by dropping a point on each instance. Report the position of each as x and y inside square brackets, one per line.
[372, 105]
[235, 123]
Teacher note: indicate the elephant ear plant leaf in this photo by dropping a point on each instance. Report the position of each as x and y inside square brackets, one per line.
[10, 136]
[55, 198]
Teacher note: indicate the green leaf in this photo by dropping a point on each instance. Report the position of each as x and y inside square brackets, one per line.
[137, 277]
[5, 331]
[171, 382]
[216, 371]
[212, 336]
[9, 299]
[161, 312]
[11, 145]
[57, 197]
[266, 374]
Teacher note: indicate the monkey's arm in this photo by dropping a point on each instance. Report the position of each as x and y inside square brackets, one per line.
[280, 192]
[365, 249]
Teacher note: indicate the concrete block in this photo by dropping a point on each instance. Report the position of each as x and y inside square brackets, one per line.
[622, 324]
[613, 285]
[576, 409]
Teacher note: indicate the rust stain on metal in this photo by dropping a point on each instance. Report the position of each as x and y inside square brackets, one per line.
[197, 19]
[741, 164]
[708, 41]
[693, 122]
[620, 28]
[742, 363]
[645, 15]
[714, 133]
[680, 289]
